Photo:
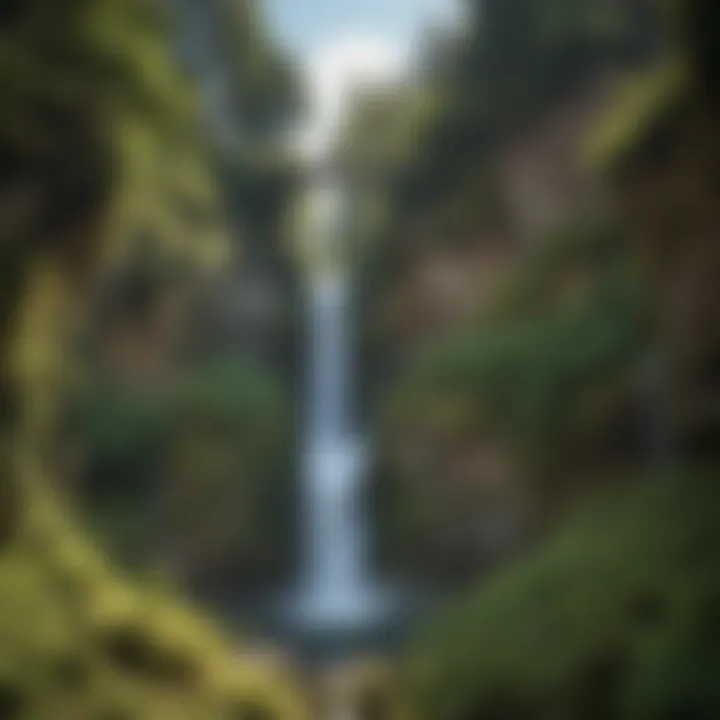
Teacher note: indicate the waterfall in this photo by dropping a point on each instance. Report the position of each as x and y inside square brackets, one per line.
[335, 589]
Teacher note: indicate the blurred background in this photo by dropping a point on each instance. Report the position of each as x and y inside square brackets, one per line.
[359, 360]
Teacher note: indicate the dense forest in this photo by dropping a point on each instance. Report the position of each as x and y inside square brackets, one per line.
[534, 212]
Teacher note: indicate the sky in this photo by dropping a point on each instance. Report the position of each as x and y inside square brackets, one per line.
[342, 43]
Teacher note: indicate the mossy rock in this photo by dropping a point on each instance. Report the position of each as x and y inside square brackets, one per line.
[80, 641]
[615, 617]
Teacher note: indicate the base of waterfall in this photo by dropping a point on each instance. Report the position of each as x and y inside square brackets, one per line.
[329, 627]
[337, 627]
[349, 609]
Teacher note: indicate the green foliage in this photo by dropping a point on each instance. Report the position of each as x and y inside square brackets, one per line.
[231, 392]
[114, 419]
[100, 151]
[516, 58]
[261, 100]
[220, 425]
[571, 325]
[642, 101]
[117, 423]
[524, 52]
[265, 88]
[614, 617]
[75, 99]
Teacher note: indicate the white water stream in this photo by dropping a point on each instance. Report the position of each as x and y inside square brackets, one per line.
[335, 589]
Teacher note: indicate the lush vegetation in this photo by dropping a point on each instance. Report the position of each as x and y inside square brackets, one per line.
[541, 358]
[539, 210]
[165, 371]
[81, 640]
[539, 305]
[206, 454]
[615, 616]
[545, 386]
[101, 151]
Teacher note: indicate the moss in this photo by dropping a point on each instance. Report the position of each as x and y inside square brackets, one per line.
[641, 102]
[130, 650]
[250, 710]
[116, 649]
[609, 619]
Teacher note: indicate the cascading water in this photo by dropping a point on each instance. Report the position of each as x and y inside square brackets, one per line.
[334, 587]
